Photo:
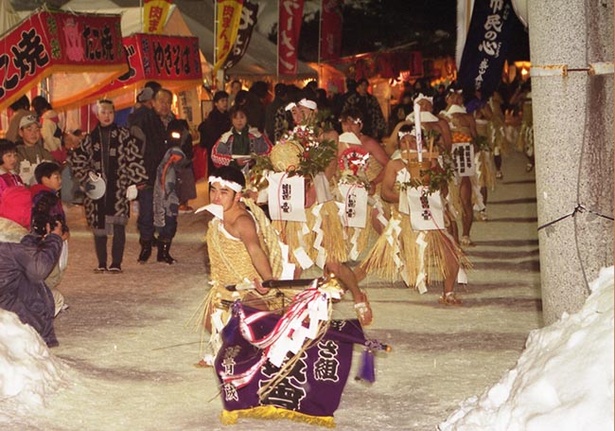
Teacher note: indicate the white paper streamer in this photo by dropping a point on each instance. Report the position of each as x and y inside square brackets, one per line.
[354, 244]
[321, 254]
[421, 274]
[392, 233]
[418, 133]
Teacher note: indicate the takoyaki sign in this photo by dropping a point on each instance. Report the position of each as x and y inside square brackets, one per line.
[47, 43]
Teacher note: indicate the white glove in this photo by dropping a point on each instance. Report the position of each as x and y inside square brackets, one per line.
[131, 192]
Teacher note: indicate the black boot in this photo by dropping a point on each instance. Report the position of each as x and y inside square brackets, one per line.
[146, 250]
[163, 251]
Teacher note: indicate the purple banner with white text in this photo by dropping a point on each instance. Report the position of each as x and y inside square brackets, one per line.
[313, 386]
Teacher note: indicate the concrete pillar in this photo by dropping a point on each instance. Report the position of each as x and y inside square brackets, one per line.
[573, 135]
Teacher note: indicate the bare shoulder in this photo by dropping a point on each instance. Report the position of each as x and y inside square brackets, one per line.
[393, 166]
[331, 135]
[244, 224]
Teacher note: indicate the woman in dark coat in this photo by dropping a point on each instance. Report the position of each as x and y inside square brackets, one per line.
[112, 153]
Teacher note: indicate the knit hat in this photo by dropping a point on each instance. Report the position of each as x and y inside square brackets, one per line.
[16, 205]
[145, 95]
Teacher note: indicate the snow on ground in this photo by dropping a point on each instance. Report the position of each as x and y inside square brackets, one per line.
[127, 351]
[563, 380]
[29, 373]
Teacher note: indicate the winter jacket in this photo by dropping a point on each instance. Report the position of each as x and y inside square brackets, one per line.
[23, 269]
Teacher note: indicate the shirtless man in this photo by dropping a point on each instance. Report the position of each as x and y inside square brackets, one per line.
[304, 113]
[236, 255]
[225, 190]
[352, 121]
[441, 258]
[462, 122]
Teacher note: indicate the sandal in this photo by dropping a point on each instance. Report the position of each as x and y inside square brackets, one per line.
[206, 361]
[449, 298]
[466, 242]
[364, 310]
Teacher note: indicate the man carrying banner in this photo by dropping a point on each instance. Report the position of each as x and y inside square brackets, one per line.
[243, 251]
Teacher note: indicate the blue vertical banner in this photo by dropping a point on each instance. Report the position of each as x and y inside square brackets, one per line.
[486, 47]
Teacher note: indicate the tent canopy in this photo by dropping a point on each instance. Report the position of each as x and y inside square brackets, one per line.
[197, 18]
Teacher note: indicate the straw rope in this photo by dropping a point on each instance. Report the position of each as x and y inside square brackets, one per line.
[269, 238]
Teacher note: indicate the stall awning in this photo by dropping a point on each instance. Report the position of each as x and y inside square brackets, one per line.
[86, 49]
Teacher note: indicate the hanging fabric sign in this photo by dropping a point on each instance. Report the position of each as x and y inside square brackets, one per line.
[228, 16]
[173, 61]
[289, 29]
[331, 30]
[286, 197]
[155, 14]
[54, 43]
[355, 205]
[426, 211]
[244, 34]
[486, 46]
[463, 157]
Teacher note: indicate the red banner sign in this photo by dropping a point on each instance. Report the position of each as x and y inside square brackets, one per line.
[289, 29]
[49, 43]
[173, 61]
[331, 30]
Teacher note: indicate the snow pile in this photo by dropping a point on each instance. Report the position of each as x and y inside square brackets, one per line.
[563, 380]
[28, 370]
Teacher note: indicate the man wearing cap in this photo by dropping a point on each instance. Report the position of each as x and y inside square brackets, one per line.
[352, 121]
[217, 123]
[403, 251]
[463, 130]
[30, 149]
[150, 125]
[20, 108]
[331, 252]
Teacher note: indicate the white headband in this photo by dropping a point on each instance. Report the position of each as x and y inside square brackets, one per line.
[310, 104]
[353, 120]
[349, 138]
[421, 96]
[456, 109]
[236, 187]
[412, 132]
[290, 106]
